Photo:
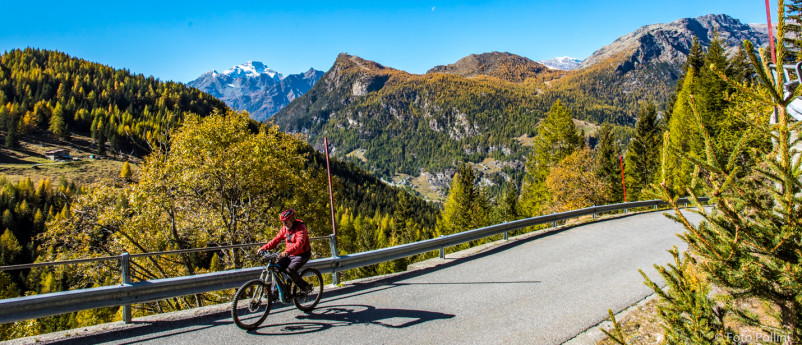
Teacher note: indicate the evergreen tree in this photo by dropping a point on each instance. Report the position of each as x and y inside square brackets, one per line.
[506, 206]
[556, 139]
[708, 93]
[748, 244]
[11, 136]
[608, 164]
[10, 248]
[642, 163]
[125, 172]
[57, 124]
[793, 33]
[465, 206]
[696, 57]
[683, 137]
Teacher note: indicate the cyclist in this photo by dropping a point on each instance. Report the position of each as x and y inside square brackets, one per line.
[297, 251]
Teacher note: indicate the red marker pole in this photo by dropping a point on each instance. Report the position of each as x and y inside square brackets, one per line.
[771, 33]
[331, 190]
[623, 182]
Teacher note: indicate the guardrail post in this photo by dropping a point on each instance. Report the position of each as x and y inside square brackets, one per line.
[335, 276]
[125, 267]
[506, 236]
[442, 251]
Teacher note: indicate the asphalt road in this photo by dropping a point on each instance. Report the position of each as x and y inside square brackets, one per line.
[544, 289]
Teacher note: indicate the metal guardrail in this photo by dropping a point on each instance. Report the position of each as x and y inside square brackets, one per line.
[36, 306]
[137, 255]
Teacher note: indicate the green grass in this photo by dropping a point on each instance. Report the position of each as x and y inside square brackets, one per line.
[28, 161]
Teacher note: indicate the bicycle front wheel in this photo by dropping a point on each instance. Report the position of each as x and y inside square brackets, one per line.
[251, 305]
[307, 301]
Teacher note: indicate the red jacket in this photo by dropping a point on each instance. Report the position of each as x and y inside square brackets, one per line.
[297, 239]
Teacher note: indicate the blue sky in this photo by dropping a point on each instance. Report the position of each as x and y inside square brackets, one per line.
[179, 41]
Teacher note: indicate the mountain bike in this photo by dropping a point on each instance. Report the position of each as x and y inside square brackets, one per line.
[253, 299]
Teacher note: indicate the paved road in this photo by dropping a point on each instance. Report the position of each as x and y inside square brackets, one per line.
[541, 290]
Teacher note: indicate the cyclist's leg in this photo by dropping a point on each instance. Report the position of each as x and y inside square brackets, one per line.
[282, 263]
[295, 264]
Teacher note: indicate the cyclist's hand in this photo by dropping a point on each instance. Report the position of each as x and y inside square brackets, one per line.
[260, 252]
[282, 255]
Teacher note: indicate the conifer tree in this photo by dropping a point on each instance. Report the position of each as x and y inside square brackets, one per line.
[749, 243]
[709, 93]
[57, 124]
[793, 33]
[465, 205]
[506, 207]
[125, 172]
[642, 161]
[608, 164]
[556, 139]
[10, 248]
[696, 56]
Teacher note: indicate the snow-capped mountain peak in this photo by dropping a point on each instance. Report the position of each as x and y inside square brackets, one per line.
[252, 69]
[565, 63]
[254, 87]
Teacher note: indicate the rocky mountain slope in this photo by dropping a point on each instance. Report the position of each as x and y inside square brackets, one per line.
[671, 42]
[256, 88]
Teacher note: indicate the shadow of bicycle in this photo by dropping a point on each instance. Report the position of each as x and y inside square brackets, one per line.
[328, 317]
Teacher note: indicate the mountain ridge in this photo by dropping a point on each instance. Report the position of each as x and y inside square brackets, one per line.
[501, 65]
[256, 88]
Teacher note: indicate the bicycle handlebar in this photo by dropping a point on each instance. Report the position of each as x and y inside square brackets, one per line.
[268, 255]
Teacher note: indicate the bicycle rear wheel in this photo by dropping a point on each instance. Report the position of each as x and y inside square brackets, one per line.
[251, 304]
[307, 301]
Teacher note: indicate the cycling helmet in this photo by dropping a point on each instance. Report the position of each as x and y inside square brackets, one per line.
[288, 214]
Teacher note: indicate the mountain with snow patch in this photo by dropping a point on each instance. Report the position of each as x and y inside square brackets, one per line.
[256, 88]
[564, 63]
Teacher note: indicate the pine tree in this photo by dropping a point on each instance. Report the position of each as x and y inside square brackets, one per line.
[642, 163]
[57, 125]
[506, 206]
[10, 248]
[464, 207]
[793, 33]
[689, 315]
[608, 164]
[696, 57]
[556, 139]
[125, 172]
[748, 244]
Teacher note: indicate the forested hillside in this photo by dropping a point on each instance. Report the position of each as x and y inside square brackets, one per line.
[407, 122]
[50, 90]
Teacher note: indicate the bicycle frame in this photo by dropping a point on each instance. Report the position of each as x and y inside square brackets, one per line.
[273, 273]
